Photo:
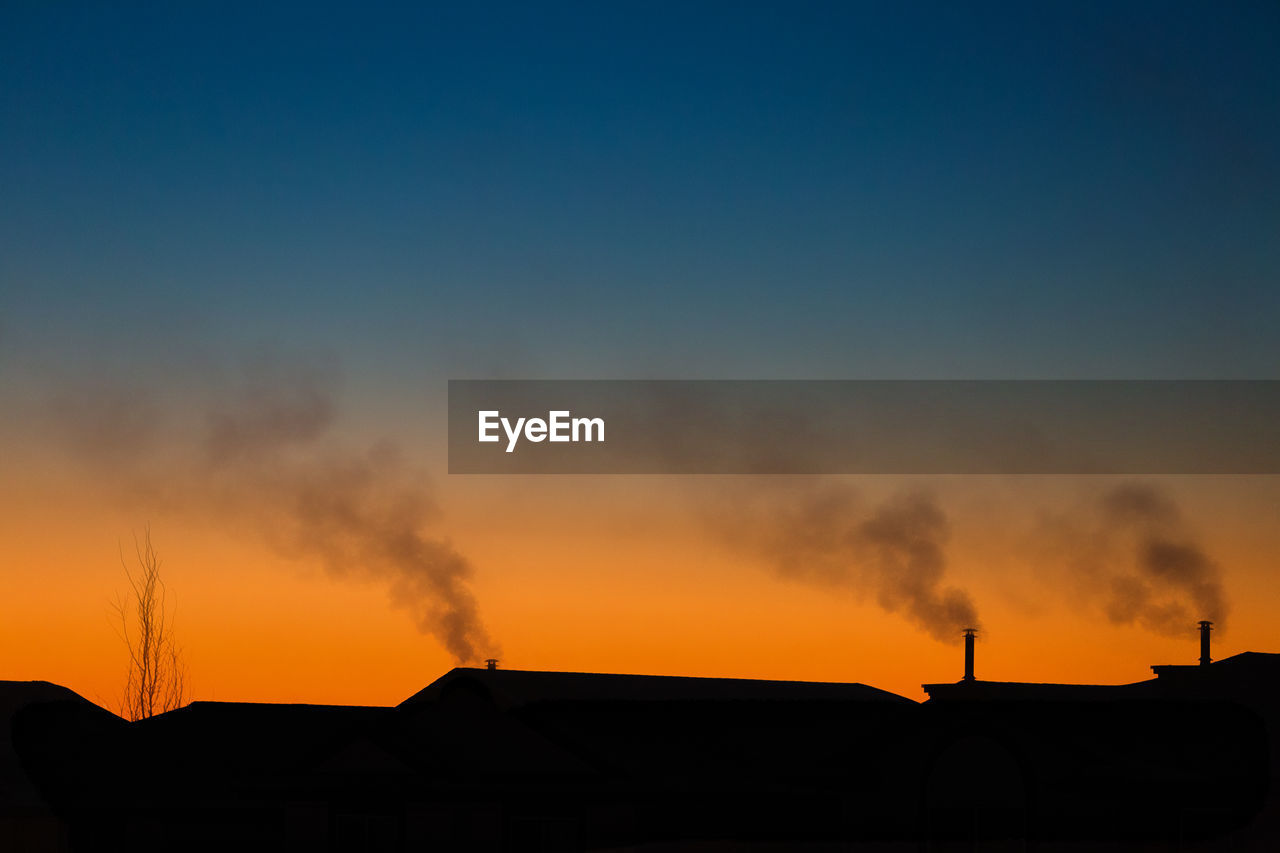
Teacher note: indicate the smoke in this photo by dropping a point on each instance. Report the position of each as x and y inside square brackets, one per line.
[260, 455]
[904, 539]
[1133, 555]
[893, 553]
[1130, 553]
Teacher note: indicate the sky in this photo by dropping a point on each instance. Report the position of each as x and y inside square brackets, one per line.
[301, 221]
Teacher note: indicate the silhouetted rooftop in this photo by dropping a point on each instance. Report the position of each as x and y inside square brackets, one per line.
[1031, 690]
[517, 759]
[1236, 670]
[16, 789]
[1234, 664]
[516, 687]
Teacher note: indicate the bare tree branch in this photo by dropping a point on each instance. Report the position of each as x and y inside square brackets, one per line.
[156, 678]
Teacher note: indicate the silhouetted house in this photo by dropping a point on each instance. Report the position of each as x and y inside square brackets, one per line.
[490, 760]
[1189, 755]
[497, 759]
[1249, 676]
[681, 759]
[29, 817]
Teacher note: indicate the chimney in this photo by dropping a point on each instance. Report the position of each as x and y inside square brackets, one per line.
[969, 634]
[1205, 627]
[491, 663]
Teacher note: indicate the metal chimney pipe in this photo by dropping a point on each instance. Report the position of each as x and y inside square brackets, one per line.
[491, 663]
[969, 634]
[1205, 627]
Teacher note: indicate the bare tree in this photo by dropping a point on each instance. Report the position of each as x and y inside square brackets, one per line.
[157, 675]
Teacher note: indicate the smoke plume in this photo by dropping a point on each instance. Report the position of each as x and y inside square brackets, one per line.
[1134, 555]
[893, 553]
[260, 455]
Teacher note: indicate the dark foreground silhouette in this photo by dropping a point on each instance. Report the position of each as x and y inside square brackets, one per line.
[494, 759]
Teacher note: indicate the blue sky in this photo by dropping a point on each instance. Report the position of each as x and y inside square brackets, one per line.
[638, 189]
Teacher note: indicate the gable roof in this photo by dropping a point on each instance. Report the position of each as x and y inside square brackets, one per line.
[509, 688]
[21, 704]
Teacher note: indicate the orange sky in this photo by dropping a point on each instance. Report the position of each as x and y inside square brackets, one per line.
[594, 574]
[240, 252]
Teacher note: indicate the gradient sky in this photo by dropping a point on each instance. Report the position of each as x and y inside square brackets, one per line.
[844, 190]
